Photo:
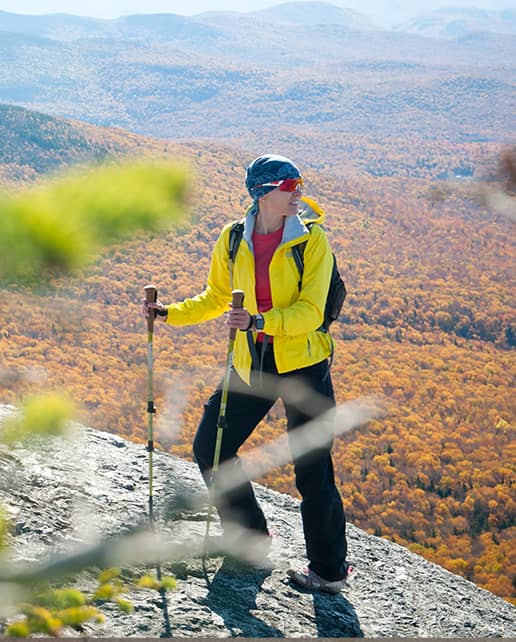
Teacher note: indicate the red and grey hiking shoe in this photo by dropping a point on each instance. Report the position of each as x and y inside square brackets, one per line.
[310, 581]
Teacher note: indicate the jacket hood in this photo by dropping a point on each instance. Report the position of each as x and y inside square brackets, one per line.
[310, 211]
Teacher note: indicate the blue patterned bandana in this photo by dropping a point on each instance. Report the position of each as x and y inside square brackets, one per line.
[266, 169]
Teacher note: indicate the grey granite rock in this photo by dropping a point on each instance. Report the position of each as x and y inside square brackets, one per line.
[65, 493]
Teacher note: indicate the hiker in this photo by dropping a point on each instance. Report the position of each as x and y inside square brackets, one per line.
[277, 336]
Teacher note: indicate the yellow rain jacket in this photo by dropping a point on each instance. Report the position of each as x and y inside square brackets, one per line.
[296, 313]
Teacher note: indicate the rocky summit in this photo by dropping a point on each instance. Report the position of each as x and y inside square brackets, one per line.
[65, 495]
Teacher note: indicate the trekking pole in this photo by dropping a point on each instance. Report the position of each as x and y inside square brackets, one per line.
[151, 295]
[237, 301]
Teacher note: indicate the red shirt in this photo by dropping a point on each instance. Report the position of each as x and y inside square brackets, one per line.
[264, 247]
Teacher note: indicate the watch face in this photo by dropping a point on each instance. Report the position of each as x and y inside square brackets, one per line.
[260, 322]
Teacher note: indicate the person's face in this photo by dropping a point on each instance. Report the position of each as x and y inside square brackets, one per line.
[285, 203]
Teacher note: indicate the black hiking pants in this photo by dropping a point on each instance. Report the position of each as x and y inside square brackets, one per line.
[322, 512]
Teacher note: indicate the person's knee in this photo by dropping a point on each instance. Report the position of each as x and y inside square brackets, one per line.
[314, 478]
[311, 489]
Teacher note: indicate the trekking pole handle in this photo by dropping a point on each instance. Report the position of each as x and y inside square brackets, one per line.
[237, 301]
[151, 296]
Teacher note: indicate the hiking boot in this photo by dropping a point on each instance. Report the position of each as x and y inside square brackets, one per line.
[310, 581]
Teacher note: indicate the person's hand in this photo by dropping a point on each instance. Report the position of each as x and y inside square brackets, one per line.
[238, 318]
[160, 309]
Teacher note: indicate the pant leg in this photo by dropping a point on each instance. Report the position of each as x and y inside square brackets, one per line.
[243, 412]
[324, 522]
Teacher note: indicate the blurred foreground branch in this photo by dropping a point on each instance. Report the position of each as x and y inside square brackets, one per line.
[63, 224]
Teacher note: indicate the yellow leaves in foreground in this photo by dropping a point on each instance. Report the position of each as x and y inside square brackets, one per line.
[42, 414]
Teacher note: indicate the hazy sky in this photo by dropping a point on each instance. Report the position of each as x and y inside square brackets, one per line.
[115, 8]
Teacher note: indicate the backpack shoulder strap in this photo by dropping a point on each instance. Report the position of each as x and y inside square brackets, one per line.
[235, 236]
[298, 252]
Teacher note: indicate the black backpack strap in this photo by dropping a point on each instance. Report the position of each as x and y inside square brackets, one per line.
[298, 252]
[255, 360]
[235, 236]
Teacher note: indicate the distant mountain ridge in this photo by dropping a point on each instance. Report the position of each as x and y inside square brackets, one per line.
[54, 25]
[447, 22]
[229, 77]
[454, 22]
[165, 25]
[315, 13]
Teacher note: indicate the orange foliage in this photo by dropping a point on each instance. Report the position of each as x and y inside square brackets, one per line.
[428, 324]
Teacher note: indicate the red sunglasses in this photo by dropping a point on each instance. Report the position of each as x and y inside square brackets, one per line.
[286, 185]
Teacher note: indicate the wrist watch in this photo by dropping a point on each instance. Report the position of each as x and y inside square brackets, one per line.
[259, 321]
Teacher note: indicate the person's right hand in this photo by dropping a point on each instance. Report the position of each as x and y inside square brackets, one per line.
[149, 306]
[238, 318]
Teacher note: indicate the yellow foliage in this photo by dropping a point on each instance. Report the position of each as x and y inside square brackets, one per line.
[42, 414]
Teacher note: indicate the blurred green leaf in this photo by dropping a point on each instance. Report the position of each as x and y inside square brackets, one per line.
[77, 615]
[43, 414]
[41, 620]
[104, 593]
[63, 224]
[18, 629]
[108, 575]
[62, 598]
[124, 605]
[169, 583]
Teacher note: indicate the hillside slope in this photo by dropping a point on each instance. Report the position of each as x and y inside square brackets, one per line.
[36, 145]
[66, 493]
